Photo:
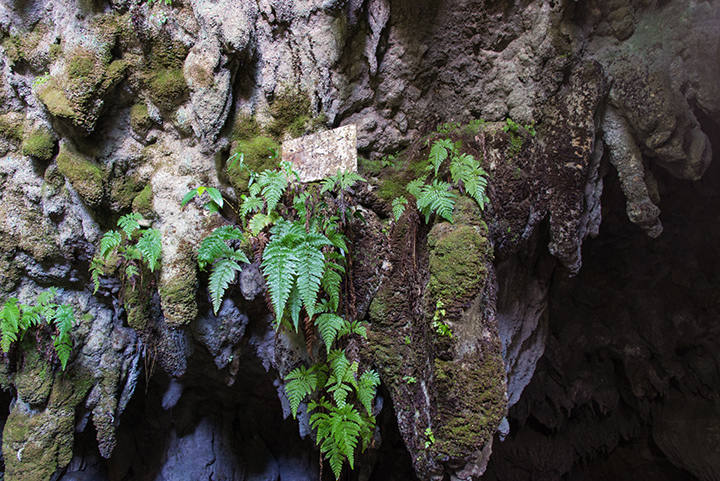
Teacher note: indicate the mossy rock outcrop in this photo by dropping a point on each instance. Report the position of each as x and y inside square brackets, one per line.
[258, 154]
[76, 94]
[39, 143]
[86, 177]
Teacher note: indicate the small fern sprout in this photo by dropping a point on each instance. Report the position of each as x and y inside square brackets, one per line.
[398, 207]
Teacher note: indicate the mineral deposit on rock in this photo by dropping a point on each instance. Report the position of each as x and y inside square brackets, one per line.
[322, 155]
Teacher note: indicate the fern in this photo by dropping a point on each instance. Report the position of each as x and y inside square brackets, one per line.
[330, 283]
[466, 170]
[9, 323]
[150, 247]
[398, 207]
[366, 387]
[129, 223]
[414, 187]
[214, 247]
[223, 273]
[338, 433]
[16, 319]
[354, 327]
[250, 204]
[301, 382]
[439, 152]
[273, 184]
[260, 221]
[342, 181]
[109, 242]
[310, 267]
[329, 324]
[279, 267]
[436, 198]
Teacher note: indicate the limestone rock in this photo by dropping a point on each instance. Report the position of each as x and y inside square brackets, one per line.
[322, 155]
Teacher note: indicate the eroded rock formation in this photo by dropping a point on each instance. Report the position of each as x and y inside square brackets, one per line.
[582, 300]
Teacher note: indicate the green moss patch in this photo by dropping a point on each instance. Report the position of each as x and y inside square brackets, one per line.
[140, 120]
[86, 177]
[178, 301]
[167, 88]
[11, 127]
[458, 254]
[143, 202]
[123, 191]
[259, 154]
[39, 143]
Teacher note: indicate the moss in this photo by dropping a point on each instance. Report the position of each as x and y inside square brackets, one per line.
[123, 191]
[474, 394]
[137, 305]
[23, 47]
[291, 113]
[246, 127]
[457, 262]
[167, 88]
[259, 154]
[11, 127]
[77, 94]
[143, 202]
[178, 300]
[39, 143]
[35, 380]
[140, 120]
[55, 51]
[86, 177]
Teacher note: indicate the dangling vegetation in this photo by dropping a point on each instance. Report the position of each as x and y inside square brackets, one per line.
[16, 319]
[297, 235]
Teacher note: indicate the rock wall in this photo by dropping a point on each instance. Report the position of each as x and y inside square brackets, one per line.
[111, 107]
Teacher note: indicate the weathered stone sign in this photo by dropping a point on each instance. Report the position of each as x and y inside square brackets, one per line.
[321, 155]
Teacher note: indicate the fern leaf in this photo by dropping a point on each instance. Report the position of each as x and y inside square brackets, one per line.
[150, 247]
[31, 316]
[414, 187]
[328, 324]
[437, 198]
[213, 246]
[63, 347]
[109, 242]
[294, 305]
[9, 323]
[439, 152]
[398, 207]
[46, 296]
[132, 253]
[250, 204]
[64, 318]
[222, 274]
[97, 268]
[300, 382]
[129, 223]
[279, 267]
[355, 327]
[310, 268]
[132, 271]
[330, 283]
[345, 426]
[260, 221]
[367, 385]
[273, 184]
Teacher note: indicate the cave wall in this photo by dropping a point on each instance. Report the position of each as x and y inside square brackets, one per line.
[582, 298]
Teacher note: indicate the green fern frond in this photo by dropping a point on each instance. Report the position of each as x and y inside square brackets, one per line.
[273, 184]
[310, 267]
[279, 268]
[260, 221]
[63, 346]
[214, 247]
[131, 271]
[439, 152]
[345, 424]
[436, 198]
[129, 223]
[64, 318]
[328, 325]
[354, 327]
[294, 306]
[366, 388]
[299, 383]
[222, 274]
[9, 323]
[250, 204]
[330, 283]
[31, 316]
[342, 181]
[398, 207]
[414, 187]
[109, 242]
[132, 253]
[45, 297]
[150, 247]
[97, 268]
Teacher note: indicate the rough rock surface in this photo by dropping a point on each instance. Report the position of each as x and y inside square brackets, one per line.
[597, 117]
